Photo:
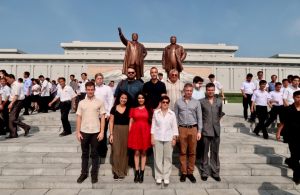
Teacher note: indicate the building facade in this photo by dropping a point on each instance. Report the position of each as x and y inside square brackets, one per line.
[107, 58]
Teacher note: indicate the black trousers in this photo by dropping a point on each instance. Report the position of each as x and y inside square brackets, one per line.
[213, 143]
[294, 146]
[14, 121]
[43, 103]
[4, 122]
[89, 139]
[262, 114]
[27, 104]
[64, 110]
[82, 96]
[102, 146]
[247, 103]
[275, 111]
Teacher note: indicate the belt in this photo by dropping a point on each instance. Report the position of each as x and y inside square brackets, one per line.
[188, 126]
[67, 101]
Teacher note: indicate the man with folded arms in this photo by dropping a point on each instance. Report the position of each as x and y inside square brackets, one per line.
[65, 94]
[188, 113]
[89, 131]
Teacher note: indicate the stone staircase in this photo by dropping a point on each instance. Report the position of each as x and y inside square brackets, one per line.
[45, 163]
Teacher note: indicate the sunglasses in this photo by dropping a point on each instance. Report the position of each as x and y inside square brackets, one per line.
[165, 102]
[174, 75]
[131, 72]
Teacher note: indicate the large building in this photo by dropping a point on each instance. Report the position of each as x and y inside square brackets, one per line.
[107, 58]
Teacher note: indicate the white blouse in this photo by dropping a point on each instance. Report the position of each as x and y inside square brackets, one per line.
[164, 127]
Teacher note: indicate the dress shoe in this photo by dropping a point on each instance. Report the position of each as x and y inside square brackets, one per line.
[256, 133]
[82, 178]
[116, 178]
[191, 178]
[204, 178]
[94, 178]
[27, 131]
[64, 134]
[183, 177]
[217, 178]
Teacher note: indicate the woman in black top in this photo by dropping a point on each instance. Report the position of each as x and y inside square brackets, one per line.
[119, 129]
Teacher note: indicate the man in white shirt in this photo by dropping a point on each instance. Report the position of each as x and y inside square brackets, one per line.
[260, 75]
[218, 86]
[288, 92]
[5, 93]
[82, 86]
[277, 104]
[285, 84]
[16, 103]
[112, 86]
[66, 94]
[160, 77]
[261, 100]
[45, 95]
[198, 93]
[247, 89]
[49, 85]
[289, 77]
[104, 93]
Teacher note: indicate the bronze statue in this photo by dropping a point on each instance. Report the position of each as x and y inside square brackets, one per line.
[134, 55]
[173, 56]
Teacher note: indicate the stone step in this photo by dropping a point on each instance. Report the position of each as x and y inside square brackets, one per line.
[10, 169]
[62, 158]
[107, 182]
[47, 123]
[50, 128]
[75, 147]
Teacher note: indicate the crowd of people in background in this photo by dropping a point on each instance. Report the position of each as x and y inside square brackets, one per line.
[156, 114]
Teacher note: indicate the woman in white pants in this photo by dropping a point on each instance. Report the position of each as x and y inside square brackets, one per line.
[164, 132]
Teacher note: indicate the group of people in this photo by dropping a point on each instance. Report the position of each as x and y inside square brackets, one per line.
[284, 101]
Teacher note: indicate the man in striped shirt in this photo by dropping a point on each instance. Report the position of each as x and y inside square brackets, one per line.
[174, 88]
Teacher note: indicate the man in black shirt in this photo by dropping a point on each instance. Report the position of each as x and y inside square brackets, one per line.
[155, 89]
[291, 124]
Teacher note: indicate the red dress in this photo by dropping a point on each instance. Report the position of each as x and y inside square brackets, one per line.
[139, 137]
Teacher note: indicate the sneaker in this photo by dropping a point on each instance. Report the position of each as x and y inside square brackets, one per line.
[166, 181]
[82, 178]
[158, 181]
[116, 178]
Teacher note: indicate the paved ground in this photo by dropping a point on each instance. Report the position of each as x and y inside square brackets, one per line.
[44, 163]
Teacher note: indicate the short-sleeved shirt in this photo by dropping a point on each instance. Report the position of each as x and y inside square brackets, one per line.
[120, 118]
[28, 83]
[277, 96]
[271, 87]
[82, 86]
[65, 94]
[90, 110]
[5, 92]
[260, 98]
[218, 87]
[154, 91]
[248, 87]
[73, 84]
[46, 91]
[16, 89]
[256, 83]
[55, 93]
[288, 94]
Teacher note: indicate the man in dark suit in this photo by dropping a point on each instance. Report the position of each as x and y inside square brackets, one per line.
[210, 135]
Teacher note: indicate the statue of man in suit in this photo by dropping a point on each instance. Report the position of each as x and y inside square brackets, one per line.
[173, 56]
[134, 55]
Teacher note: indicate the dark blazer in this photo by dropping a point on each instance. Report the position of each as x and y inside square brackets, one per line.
[210, 116]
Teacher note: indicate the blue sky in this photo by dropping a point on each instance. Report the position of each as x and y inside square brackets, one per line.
[259, 28]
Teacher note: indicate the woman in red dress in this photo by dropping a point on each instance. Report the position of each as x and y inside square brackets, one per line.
[139, 138]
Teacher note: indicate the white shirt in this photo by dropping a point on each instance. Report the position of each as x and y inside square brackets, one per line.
[256, 83]
[218, 87]
[4, 91]
[105, 94]
[113, 89]
[46, 91]
[16, 89]
[65, 94]
[49, 86]
[277, 96]
[82, 86]
[58, 87]
[162, 80]
[38, 87]
[288, 94]
[248, 87]
[282, 89]
[260, 98]
[164, 127]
